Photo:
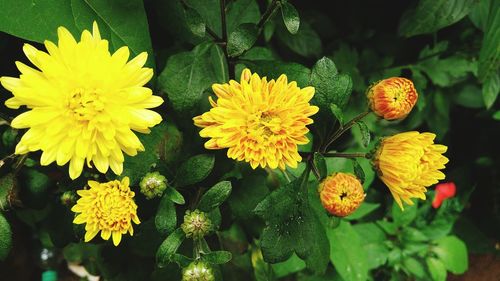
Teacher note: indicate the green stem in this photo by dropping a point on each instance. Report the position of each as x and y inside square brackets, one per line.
[345, 155]
[230, 64]
[267, 14]
[343, 129]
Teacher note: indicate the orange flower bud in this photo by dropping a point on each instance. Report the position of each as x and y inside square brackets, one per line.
[341, 194]
[392, 98]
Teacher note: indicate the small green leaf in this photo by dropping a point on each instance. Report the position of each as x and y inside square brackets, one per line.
[415, 267]
[217, 257]
[195, 22]
[169, 247]
[365, 133]
[166, 217]
[453, 253]
[5, 237]
[195, 169]
[174, 195]
[436, 269]
[364, 209]
[337, 112]
[358, 171]
[181, 260]
[404, 217]
[491, 88]
[414, 235]
[320, 165]
[6, 188]
[489, 55]
[290, 266]
[215, 196]
[290, 17]
[242, 39]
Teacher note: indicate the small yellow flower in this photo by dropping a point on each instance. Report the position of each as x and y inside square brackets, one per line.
[260, 121]
[341, 194]
[83, 102]
[408, 163]
[392, 98]
[108, 208]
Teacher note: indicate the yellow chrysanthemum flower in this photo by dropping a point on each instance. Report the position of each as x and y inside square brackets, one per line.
[260, 121]
[108, 208]
[84, 102]
[341, 194]
[408, 163]
[392, 98]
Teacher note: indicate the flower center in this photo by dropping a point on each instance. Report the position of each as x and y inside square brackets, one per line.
[85, 104]
[265, 124]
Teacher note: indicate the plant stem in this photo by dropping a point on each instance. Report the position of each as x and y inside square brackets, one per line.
[214, 36]
[267, 14]
[343, 129]
[230, 64]
[345, 155]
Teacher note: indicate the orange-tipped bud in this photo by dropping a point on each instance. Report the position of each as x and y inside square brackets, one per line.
[392, 98]
[341, 194]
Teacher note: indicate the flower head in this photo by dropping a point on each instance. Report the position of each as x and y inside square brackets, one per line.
[153, 185]
[443, 191]
[392, 98]
[408, 163]
[341, 194]
[198, 271]
[84, 102]
[108, 208]
[196, 224]
[260, 121]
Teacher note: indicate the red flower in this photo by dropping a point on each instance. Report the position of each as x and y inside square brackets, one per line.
[443, 191]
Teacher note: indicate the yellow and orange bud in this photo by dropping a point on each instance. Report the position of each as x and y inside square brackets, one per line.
[392, 98]
[341, 194]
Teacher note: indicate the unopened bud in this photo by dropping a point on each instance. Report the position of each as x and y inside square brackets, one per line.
[153, 185]
[196, 224]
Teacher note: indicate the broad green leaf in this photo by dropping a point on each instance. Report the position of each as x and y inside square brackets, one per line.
[376, 233]
[261, 269]
[453, 253]
[404, 217]
[6, 188]
[320, 165]
[364, 209]
[274, 69]
[290, 266]
[448, 71]
[5, 237]
[431, 15]
[174, 196]
[376, 254]
[290, 17]
[195, 169]
[480, 13]
[469, 96]
[365, 133]
[413, 235]
[331, 87]
[415, 267]
[242, 39]
[195, 22]
[135, 167]
[347, 253]
[292, 226]
[34, 188]
[122, 23]
[436, 269]
[246, 194]
[491, 88]
[215, 196]
[188, 74]
[166, 216]
[169, 247]
[337, 112]
[496, 115]
[489, 55]
[217, 257]
[306, 42]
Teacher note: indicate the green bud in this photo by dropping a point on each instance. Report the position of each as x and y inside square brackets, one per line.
[153, 185]
[68, 198]
[196, 224]
[197, 271]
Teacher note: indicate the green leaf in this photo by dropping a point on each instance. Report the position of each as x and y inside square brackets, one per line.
[489, 55]
[242, 39]
[290, 17]
[453, 253]
[496, 115]
[217, 257]
[188, 74]
[337, 112]
[274, 69]
[290, 266]
[363, 210]
[215, 196]
[5, 237]
[292, 226]
[376, 254]
[491, 87]
[246, 194]
[331, 87]
[169, 247]
[436, 269]
[415, 267]
[306, 42]
[174, 196]
[261, 269]
[448, 71]
[376, 233]
[358, 171]
[195, 22]
[6, 188]
[122, 23]
[135, 167]
[431, 15]
[320, 165]
[166, 217]
[403, 217]
[195, 169]
[480, 13]
[365, 133]
[347, 253]
[34, 188]
[414, 235]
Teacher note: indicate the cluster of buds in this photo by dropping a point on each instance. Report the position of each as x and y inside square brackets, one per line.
[153, 185]
[196, 224]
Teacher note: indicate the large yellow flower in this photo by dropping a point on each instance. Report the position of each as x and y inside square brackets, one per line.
[260, 121]
[341, 194]
[108, 208]
[408, 163]
[83, 101]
